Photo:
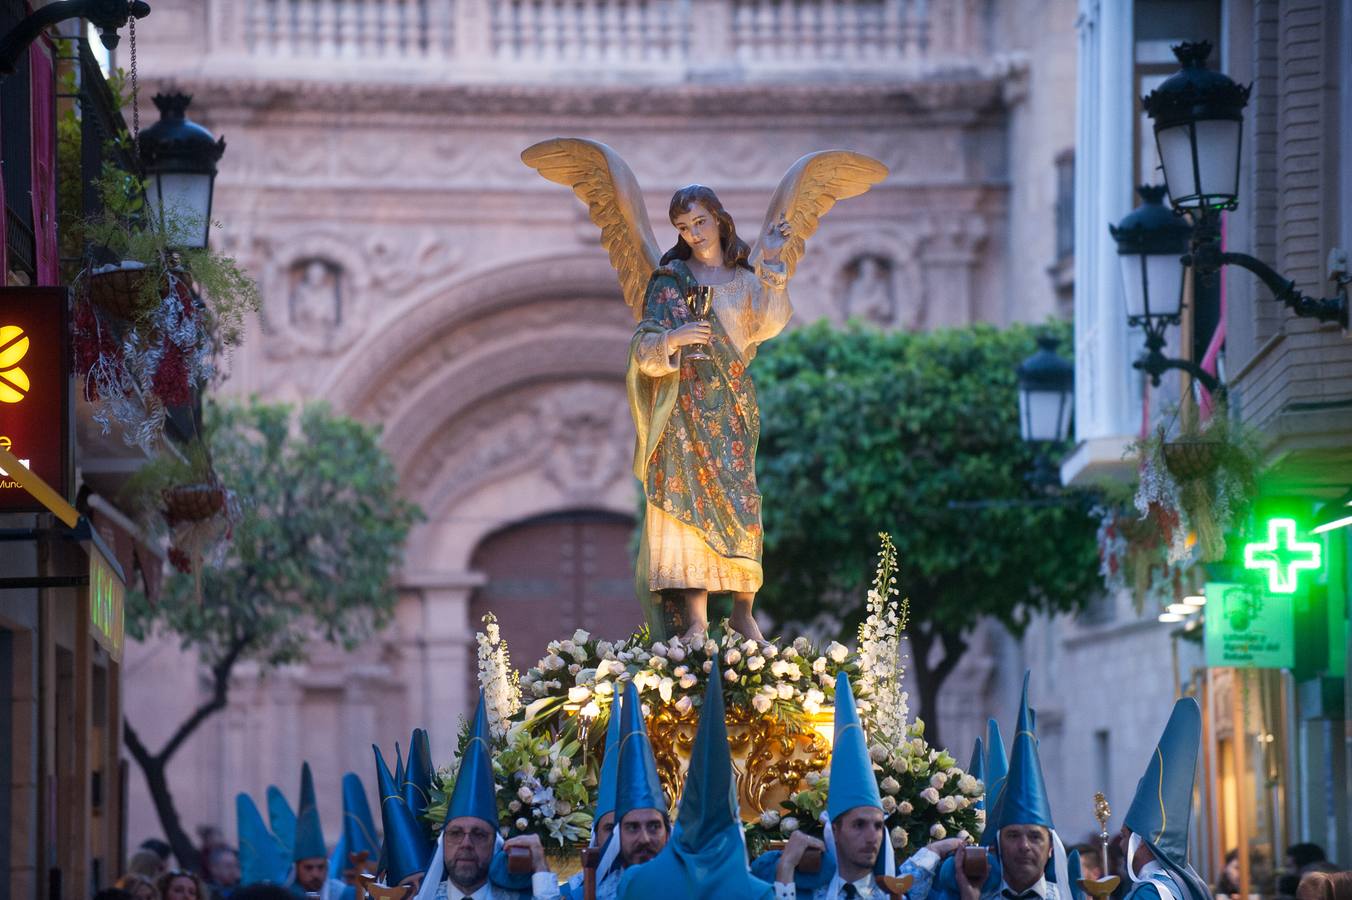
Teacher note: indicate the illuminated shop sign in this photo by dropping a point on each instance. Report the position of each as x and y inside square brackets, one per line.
[35, 391]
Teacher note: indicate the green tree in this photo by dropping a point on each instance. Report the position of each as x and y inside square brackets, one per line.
[320, 531]
[917, 435]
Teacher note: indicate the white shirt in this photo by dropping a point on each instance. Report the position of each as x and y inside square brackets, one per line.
[865, 888]
[1041, 888]
[543, 886]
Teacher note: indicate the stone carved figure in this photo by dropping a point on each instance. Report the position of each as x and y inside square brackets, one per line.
[870, 295]
[316, 296]
[691, 397]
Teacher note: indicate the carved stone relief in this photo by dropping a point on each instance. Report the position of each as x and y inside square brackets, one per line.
[316, 305]
[871, 292]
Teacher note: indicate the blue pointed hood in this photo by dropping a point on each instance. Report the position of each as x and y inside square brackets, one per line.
[418, 775]
[997, 769]
[281, 818]
[309, 834]
[1161, 811]
[404, 850]
[359, 828]
[1023, 799]
[705, 856]
[1075, 873]
[398, 766]
[976, 767]
[852, 780]
[262, 857]
[475, 792]
[636, 783]
[610, 765]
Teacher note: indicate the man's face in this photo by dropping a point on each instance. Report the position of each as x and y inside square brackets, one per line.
[312, 873]
[859, 837]
[1024, 851]
[224, 867]
[467, 851]
[643, 834]
[605, 826]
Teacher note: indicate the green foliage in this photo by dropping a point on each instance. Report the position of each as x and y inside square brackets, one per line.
[866, 431]
[321, 529]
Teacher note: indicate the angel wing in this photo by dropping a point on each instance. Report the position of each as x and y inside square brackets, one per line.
[810, 188]
[602, 180]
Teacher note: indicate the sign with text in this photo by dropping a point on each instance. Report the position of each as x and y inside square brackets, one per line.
[35, 391]
[1248, 628]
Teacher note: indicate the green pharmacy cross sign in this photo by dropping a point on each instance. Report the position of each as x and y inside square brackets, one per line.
[1282, 556]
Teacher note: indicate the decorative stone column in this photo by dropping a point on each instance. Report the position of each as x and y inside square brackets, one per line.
[949, 253]
[440, 680]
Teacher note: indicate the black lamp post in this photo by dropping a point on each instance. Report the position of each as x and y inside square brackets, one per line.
[1046, 395]
[1199, 116]
[179, 158]
[1151, 242]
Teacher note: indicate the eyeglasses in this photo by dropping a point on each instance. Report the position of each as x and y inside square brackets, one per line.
[476, 835]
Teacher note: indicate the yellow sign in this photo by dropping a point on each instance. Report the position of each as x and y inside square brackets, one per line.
[14, 383]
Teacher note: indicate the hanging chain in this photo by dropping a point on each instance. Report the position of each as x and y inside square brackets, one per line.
[135, 97]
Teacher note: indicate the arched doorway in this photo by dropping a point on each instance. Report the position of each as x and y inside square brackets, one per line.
[550, 575]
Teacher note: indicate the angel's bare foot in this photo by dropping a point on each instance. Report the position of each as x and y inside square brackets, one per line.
[745, 625]
[694, 635]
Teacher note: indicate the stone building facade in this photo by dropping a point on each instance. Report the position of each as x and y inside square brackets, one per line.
[417, 275]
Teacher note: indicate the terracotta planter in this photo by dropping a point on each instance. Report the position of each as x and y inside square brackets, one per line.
[193, 502]
[1192, 457]
[121, 292]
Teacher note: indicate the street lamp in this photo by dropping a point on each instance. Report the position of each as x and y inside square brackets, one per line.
[1046, 390]
[179, 158]
[1198, 116]
[1151, 243]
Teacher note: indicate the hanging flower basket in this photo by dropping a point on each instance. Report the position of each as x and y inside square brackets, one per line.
[193, 502]
[121, 291]
[1192, 457]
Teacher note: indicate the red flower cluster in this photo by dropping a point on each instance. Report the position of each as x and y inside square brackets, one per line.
[170, 383]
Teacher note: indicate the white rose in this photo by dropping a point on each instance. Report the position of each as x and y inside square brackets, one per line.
[581, 637]
[788, 825]
[574, 668]
[605, 648]
[590, 711]
[877, 753]
[524, 794]
[837, 651]
[899, 837]
[938, 832]
[749, 646]
[675, 654]
[889, 805]
[761, 703]
[938, 780]
[789, 653]
[769, 818]
[657, 662]
[770, 650]
[710, 648]
[540, 688]
[659, 649]
[905, 808]
[755, 663]
[580, 654]
[708, 666]
[733, 657]
[813, 778]
[579, 694]
[946, 805]
[679, 671]
[664, 689]
[522, 824]
[785, 692]
[553, 661]
[970, 785]
[801, 644]
[684, 704]
[889, 785]
[779, 668]
[604, 689]
[825, 680]
[929, 795]
[819, 665]
[514, 806]
[688, 681]
[730, 675]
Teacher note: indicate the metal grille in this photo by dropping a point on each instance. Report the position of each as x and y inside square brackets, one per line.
[16, 140]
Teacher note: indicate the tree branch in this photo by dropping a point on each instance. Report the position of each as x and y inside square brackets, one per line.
[220, 690]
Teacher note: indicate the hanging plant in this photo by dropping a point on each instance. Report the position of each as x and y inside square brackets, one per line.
[1197, 484]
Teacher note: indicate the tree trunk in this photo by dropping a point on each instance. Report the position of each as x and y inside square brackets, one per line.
[153, 765]
[930, 678]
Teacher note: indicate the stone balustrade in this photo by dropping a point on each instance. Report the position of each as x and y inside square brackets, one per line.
[670, 40]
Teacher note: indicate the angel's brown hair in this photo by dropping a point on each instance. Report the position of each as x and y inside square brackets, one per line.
[735, 250]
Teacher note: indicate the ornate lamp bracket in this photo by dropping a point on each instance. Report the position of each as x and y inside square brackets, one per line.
[1207, 257]
[107, 15]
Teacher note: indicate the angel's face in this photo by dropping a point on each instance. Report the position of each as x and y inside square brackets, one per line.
[698, 227]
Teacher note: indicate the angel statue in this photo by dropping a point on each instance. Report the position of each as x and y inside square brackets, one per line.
[691, 396]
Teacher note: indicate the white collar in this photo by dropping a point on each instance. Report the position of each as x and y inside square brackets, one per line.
[485, 891]
[863, 887]
[1038, 887]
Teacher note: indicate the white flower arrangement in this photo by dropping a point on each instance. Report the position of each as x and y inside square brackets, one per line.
[500, 682]
[880, 664]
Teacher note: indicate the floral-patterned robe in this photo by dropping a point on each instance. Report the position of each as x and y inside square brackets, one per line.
[698, 424]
